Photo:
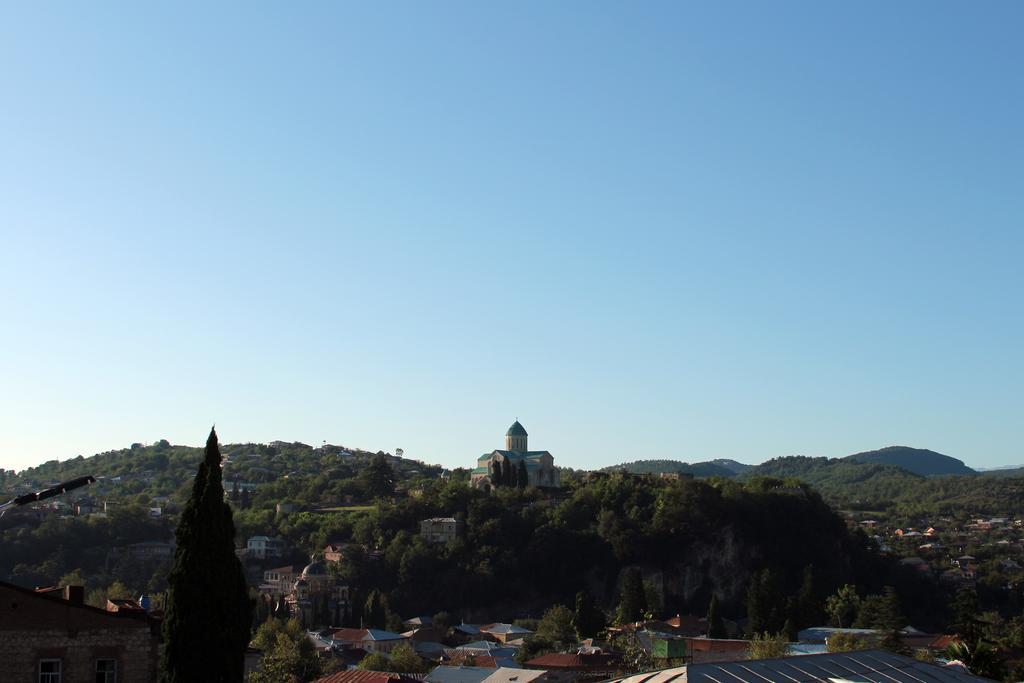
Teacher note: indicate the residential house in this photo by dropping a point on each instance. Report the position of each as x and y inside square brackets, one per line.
[144, 551]
[369, 639]
[441, 529]
[503, 633]
[280, 580]
[53, 635]
[264, 547]
[335, 552]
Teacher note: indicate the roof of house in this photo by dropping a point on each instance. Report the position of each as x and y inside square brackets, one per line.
[819, 634]
[510, 629]
[458, 674]
[573, 660]
[482, 645]
[363, 676]
[27, 609]
[716, 645]
[482, 661]
[428, 634]
[868, 666]
[360, 635]
[506, 675]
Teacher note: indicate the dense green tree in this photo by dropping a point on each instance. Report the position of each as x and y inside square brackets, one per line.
[378, 479]
[632, 601]
[588, 619]
[844, 606]
[716, 627]
[208, 617]
[496, 474]
[287, 652]
[980, 659]
[768, 646]
[556, 626]
[375, 661]
[847, 642]
[404, 660]
[279, 662]
[72, 578]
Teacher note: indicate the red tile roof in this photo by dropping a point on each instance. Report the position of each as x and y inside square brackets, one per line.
[716, 645]
[352, 635]
[362, 676]
[573, 661]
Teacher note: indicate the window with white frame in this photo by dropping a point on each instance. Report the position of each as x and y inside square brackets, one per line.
[49, 671]
[106, 671]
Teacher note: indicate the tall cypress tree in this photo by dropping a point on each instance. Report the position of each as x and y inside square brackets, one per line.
[632, 601]
[522, 478]
[207, 622]
[496, 473]
[716, 626]
[507, 477]
[588, 620]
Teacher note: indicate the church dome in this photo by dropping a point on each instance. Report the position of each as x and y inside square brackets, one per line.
[516, 430]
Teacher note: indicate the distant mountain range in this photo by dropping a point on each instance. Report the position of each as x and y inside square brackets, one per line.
[917, 461]
[711, 468]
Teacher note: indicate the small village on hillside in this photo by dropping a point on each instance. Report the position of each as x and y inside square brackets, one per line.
[349, 629]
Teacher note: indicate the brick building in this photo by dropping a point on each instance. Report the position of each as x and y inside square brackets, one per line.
[53, 637]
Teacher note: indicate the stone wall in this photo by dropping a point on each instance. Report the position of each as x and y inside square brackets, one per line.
[134, 650]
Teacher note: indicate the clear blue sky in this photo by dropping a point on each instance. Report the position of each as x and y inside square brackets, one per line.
[682, 230]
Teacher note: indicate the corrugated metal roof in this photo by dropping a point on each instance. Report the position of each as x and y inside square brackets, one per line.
[504, 675]
[458, 674]
[870, 666]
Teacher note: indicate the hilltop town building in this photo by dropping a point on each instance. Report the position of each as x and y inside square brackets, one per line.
[540, 465]
[441, 529]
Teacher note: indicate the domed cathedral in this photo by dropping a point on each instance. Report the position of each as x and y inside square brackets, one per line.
[515, 438]
[318, 597]
[540, 465]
